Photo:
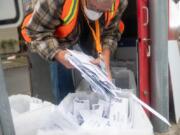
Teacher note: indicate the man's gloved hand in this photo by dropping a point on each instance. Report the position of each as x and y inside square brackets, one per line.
[61, 57]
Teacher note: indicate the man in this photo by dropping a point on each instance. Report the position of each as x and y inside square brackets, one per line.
[55, 25]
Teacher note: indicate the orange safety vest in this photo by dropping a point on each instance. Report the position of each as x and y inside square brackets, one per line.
[69, 18]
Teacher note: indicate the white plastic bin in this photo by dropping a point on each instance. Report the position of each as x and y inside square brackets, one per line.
[31, 122]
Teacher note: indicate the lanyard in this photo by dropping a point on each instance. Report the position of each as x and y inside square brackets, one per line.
[96, 35]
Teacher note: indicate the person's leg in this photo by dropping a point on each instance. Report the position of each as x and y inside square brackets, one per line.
[61, 80]
[54, 81]
[65, 81]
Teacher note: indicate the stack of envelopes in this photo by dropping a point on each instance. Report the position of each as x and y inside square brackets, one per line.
[92, 73]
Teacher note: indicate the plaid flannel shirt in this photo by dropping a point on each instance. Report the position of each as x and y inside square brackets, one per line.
[46, 19]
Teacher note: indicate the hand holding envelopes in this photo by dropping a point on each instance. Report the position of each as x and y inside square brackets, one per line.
[99, 82]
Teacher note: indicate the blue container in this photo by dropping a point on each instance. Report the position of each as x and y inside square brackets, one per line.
[62, 81]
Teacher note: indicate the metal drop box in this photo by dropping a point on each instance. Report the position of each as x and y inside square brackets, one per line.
[124, 78]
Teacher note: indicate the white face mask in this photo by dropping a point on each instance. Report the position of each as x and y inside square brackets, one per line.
[92, 15]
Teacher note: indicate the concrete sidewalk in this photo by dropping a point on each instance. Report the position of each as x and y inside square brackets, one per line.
[174, 130]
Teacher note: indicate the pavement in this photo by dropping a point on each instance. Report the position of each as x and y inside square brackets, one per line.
[174, 130]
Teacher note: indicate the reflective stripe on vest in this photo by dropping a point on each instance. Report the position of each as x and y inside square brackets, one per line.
[69, 18]
[110, 14]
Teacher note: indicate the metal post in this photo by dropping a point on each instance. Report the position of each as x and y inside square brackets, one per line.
[6, 123]
[159, 61]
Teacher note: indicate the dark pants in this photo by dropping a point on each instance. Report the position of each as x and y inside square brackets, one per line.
[61, 80]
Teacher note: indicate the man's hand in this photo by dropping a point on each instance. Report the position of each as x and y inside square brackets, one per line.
[106, 58]
[107, 67]
[60, 57]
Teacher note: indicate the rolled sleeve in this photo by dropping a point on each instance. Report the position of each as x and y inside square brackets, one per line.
[46, 49]
[110, 44]
[111, 35]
